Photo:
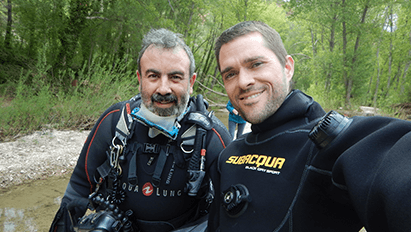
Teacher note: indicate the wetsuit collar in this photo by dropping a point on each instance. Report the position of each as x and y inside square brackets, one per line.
[294, 106]
[169, 125]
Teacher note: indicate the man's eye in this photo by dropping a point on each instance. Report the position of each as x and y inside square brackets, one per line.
[229, 75]
[256, 64]
[175, 77]
[152, 75]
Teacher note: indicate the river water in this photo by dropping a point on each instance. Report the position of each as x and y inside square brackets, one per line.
[32, 206]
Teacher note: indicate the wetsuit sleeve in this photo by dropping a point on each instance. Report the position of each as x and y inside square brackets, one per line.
[373, 166]
[92, 155]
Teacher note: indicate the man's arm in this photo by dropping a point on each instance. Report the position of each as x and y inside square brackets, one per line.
[373, 163]
[82, 180]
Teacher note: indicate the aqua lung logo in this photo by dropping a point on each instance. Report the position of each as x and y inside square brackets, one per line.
[148, 190]
[261, 163]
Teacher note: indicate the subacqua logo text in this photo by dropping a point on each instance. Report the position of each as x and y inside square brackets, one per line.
[257, 160]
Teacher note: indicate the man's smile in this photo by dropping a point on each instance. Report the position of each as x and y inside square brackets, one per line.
[249, 96]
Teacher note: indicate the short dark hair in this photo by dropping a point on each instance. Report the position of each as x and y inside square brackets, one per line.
[166, 39]
[271, 38]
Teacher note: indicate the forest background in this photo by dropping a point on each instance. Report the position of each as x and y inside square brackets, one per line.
[63, 62]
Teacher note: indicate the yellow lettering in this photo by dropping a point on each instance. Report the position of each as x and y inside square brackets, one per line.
[231, 159]
[251, 159]
[279, 163]
[258, 160]
[247, 158]
[268, 164]
[261, 160]
[242, 159]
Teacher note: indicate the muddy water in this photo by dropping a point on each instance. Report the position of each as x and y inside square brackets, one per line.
[31, 207]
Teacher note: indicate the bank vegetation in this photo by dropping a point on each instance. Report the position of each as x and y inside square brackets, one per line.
[63, 62]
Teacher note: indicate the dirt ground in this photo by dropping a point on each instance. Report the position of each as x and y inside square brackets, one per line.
[39, 155]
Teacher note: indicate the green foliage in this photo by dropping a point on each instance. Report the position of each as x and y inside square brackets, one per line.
[328, 100]
[343, 41]
[68, 60]
[38, 103]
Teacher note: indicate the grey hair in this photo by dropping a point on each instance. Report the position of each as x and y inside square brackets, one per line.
[271, 38]
[166, 39]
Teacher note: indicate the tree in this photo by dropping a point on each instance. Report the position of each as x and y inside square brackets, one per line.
[8, 35]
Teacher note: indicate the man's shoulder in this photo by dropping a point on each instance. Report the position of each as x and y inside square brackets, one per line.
[133, 102]
[217, 124]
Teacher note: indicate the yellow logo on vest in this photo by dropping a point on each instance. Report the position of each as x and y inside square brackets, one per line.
[258, 162]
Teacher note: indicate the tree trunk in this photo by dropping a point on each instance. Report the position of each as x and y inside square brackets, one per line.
[345, 74]
[7, 38]
[404, 74]
[349, 82]
[330, 65]
[390, 56]
[378, 79]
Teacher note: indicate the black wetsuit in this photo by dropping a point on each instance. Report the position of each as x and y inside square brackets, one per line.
[168, 201]
[362, 178]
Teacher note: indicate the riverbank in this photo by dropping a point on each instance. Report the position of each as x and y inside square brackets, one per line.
[39, 155]
[42, 154]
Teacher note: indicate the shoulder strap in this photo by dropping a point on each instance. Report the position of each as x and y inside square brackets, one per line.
[196, 168]
[124, 130]
[125, 124]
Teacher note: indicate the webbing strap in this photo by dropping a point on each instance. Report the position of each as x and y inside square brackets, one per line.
[162, 158]
[132, 169]
[103, 170]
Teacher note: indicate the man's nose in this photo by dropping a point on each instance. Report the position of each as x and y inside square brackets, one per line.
[245, 79]
[164, 86]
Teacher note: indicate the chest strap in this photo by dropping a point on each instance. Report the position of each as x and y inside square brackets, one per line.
[162, 158]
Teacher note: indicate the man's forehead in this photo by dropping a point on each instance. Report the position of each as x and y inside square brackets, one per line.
[159, 59]
[160, 48]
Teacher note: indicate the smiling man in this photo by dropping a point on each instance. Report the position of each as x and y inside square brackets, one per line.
[300, 169]
[165, 85]
[254, 77]
[144, 166]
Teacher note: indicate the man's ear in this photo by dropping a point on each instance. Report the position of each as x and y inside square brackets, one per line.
[192, 81]
[139, 80]
[289, 67]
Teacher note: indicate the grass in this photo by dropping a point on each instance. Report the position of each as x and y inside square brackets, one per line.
[35, 101]
[39, 99]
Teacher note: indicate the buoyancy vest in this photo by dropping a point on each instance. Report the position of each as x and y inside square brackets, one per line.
[192, 143]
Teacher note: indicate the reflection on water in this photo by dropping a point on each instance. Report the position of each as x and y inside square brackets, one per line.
[32, 206]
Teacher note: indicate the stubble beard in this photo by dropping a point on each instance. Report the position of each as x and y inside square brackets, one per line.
[257, 116]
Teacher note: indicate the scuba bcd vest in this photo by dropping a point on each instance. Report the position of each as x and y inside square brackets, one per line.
[197, 133]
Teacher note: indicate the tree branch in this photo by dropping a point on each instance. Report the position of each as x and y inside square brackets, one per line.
[213, 91]
[96, 17]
